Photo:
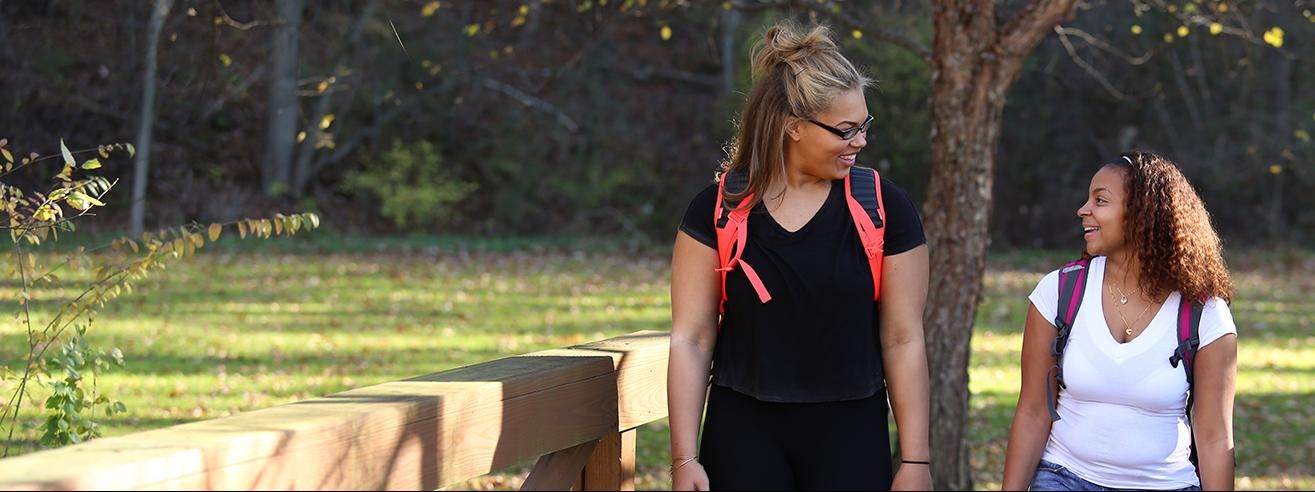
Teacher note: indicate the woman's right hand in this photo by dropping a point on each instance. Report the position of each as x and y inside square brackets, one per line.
[691, 476]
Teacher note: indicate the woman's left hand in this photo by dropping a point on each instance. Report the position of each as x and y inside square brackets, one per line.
[912, 477]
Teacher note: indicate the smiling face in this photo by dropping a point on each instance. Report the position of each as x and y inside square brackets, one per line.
[1104, 213]
[816, 152]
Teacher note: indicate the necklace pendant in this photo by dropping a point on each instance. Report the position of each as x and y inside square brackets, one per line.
[1123, 299]
[1128, 331]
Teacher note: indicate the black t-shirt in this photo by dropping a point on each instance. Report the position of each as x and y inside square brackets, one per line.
[817, 339]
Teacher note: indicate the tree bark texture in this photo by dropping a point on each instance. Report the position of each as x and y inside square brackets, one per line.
[142, 163]
[281, 135]
[974, 61]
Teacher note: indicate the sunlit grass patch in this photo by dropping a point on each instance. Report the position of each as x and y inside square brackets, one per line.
[232, 331]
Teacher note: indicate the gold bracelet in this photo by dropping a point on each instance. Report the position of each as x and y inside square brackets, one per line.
[682, 462]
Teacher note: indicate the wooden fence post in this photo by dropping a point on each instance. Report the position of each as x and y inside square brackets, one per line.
[612, 465]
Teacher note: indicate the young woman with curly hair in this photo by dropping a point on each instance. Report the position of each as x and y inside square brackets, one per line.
[1122, 408]
[799, 382]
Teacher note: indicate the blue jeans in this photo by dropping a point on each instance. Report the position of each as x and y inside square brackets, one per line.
[1050, 476]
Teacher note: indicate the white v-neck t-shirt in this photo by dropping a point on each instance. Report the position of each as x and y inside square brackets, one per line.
[1122, 422]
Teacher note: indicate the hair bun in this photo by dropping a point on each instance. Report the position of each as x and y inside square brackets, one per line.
[785, 43]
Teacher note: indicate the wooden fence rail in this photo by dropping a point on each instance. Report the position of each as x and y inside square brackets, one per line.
[575, 408]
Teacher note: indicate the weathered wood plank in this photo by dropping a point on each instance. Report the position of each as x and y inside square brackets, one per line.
[422, 432]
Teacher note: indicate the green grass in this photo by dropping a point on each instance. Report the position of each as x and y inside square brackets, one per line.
[234, 330]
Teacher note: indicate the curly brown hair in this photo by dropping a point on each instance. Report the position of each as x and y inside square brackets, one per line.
[1170, 230]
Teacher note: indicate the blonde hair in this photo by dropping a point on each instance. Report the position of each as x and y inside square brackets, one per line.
[795, 74]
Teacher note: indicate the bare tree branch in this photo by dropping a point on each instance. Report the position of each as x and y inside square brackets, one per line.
[1029, 26]
[530, 101]
[1103, 45]
[241, 26]
[1086, 67]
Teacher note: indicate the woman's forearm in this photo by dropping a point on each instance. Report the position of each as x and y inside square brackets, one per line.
[1027, 440]
[906, 374]
[1215, 460]
[687, 384]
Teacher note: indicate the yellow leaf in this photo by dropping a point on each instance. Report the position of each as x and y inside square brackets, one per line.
[857, 34]
[1189, 8]
[518, 21]
[225, 59]
[1168, 38]
[524, 10]
[66, 174]
[1136, 29]
[214, 231]
[91, 164]
[1274, 37]
[1275, 169]
[301, 136]
[472, 29]
[326, 121]
[321, 87]
[429, 9]
[242, 229]
[68, 156]
[44, 214]
[1183, 31]
[1216, 28]
[1173, 8]
[665, 32]
[8, 157]
[1223, 7]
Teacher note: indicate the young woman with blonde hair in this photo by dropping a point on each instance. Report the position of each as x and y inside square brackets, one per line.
[799, 382]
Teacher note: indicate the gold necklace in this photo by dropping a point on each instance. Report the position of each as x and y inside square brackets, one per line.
[1127, 327]
[1122, 300]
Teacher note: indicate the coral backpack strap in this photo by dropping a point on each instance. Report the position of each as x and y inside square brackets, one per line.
[732, 226]
[1072, 284]
[863, 195]
[1189, 340]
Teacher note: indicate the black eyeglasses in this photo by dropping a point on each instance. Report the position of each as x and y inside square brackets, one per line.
[847, 134]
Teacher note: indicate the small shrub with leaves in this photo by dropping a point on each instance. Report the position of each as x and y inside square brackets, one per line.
[60, 359]
[411, 184]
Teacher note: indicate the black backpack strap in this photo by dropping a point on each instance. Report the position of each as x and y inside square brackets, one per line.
[1072, 285]
[733, 183]
[1189, 341]
[864, 189]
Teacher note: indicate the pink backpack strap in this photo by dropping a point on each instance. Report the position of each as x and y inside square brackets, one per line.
[732, 226]
[865, 203]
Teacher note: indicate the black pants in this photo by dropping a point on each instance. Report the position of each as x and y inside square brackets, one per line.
[750, 444]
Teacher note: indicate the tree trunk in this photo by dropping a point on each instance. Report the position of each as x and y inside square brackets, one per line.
[281, 137]
[974, 61]
[348, 59]
[730, 26]
[142, 163]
